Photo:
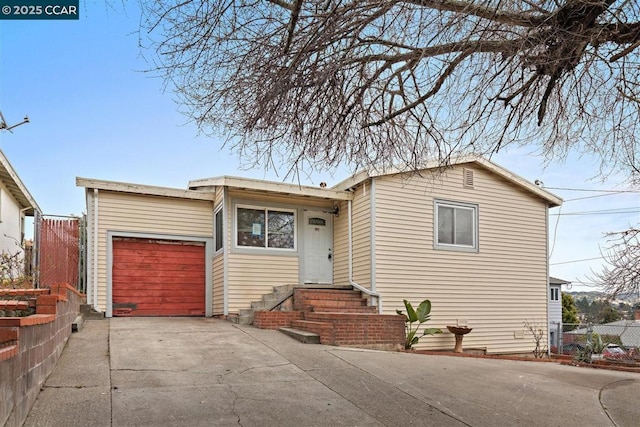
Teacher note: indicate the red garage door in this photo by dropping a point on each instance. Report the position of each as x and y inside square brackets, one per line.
[157, 278]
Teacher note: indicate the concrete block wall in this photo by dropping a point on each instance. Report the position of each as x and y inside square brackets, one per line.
[30, 347]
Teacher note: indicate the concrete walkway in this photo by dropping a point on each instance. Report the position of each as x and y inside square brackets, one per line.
[206, 372]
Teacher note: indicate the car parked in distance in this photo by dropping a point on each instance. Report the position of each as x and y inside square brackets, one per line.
[572, 348]
[613, 351]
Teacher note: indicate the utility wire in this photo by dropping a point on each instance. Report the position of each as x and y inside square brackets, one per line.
[592, 190]
[575, 260]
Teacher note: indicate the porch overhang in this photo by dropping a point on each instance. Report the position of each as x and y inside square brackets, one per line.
[269, 187]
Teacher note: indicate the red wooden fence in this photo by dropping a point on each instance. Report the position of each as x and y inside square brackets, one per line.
[59, 251]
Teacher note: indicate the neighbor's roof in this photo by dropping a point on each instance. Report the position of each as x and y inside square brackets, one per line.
[627, 330]
[16, 188]
[556, 281]
[126, 187]
[551, 198]
[270, 187]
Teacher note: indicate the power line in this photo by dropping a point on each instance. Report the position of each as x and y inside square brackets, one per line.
[600, 212]
[576, 260]
[591, 190]
[589, 197]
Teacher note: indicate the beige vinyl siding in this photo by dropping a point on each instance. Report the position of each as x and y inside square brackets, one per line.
[218, 284]
[361, 224]
[218, 260]
[361, 239]
[126, 212]
[251, 276]
[496, 289]
[341, 245]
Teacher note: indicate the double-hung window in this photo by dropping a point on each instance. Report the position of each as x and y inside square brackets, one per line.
[265, 228]
[456, 226]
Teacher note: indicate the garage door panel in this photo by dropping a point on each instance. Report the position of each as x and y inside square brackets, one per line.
[158, 278]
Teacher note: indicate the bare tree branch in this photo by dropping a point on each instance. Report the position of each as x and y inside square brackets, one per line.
[621, 275]
[372, 83]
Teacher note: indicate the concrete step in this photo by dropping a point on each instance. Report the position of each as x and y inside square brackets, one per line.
[244, 320]
[258, 305]
[88, 312]
[284, 289]
[302, 336]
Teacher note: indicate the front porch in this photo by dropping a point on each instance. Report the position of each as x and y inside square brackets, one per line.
[326, 314]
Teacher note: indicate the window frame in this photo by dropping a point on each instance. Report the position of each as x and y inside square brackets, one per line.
[218, 235]
[266, 210]
[554, 294]
[475, 223]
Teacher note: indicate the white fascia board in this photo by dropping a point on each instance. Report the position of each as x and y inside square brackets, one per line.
[125, 187]
[551, 198]
[270, 187]
[16, 188]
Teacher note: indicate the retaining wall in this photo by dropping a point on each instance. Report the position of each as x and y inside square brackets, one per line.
[30, 347]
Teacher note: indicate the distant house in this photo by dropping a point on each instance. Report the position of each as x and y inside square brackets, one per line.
[555, 310]
[16, 203]
[472, 238]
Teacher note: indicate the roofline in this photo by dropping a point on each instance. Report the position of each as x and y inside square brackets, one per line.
[150, 190]
[556, 281]
[551, 198]
[270, 187]
[28, 200]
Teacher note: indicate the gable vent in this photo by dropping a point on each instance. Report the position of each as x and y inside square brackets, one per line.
[467, 178]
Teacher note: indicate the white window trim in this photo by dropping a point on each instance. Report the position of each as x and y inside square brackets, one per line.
[476, 221]
[554, 295]
[266, 210]
[217, 211]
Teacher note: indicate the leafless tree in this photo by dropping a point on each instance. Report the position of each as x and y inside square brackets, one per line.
[621, 273]
[370, 83]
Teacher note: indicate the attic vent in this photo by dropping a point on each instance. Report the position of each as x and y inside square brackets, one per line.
[467, 178]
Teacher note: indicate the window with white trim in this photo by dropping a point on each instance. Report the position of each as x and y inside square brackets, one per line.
[456, 226]
[268, 228]
[555, 294]
[219, 229]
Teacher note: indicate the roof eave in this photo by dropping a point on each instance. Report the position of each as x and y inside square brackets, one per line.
[149, 190]
[16, 187]
[270, 187]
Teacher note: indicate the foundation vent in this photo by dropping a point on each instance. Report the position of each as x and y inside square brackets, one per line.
[467, 178]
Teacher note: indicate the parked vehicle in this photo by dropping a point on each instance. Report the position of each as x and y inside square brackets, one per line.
[572, 348]
[613, 351]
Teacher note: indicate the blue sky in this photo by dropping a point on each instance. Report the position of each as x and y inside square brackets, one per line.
[95, 113]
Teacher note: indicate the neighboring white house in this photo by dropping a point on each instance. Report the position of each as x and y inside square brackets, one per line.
[16, 203]
[555, 310]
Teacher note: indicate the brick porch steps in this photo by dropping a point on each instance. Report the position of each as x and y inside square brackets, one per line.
[336, 317]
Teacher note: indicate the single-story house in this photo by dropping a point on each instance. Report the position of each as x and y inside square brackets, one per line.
[16, 203]
[472, 238]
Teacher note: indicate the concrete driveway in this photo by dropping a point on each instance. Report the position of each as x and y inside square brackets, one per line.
[206, 372]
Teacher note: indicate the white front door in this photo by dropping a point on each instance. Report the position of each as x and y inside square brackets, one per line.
[318, 247]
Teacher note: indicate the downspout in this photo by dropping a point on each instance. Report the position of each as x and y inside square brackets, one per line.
[548, 288]
[95, 249]
[351, 281]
